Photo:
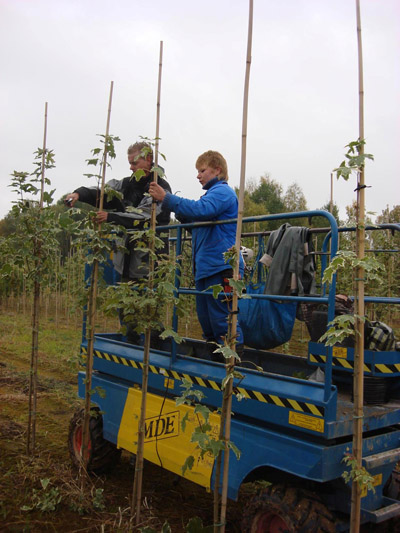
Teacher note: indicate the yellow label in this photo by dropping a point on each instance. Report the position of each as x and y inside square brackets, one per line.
[377, 481]
[164, 437]
[339, 351]
[169, 383]
[306, 421]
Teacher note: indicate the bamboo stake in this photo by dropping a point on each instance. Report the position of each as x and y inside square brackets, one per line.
[359, 303]
[32, 404]
[92, 313]
[227, 399]
[138, 479]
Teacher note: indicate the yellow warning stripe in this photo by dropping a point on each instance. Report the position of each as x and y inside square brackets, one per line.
[214, 385]
[277, 400]
[384, 369]
[338, 361]
[260, 397]
[287, 403]
[244, 392]
[200, 382]
[344, 363]
[295, 405]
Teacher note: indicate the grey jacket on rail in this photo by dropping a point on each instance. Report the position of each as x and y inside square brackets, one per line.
[291, 267]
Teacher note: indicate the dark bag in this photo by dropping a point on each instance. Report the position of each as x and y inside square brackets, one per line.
[379, 336]
[265, 323]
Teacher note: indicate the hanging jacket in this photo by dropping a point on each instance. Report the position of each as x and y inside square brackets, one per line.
[292, 268]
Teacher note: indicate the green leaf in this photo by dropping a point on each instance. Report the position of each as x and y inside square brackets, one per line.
[158, 170]
[235, 449]
[169, 332]
[227, 352]
[216, 446]
[44, 482]
[139, 174]
[188, 464]
[216, 289]
[92, 161]
[184, 420]
[203, 410]
[166, 528]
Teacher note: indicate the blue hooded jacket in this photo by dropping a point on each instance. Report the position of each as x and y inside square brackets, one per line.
[209, 242]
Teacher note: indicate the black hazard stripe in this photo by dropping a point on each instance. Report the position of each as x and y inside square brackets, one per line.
[289, 403]
[387, 369]
[339, 361]
[280, 401]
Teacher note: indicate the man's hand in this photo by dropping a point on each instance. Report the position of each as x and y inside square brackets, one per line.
[71, 199]
[101, 216]
[157, 192]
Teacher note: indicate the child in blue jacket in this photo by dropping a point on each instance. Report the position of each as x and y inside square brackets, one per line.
[209, 242]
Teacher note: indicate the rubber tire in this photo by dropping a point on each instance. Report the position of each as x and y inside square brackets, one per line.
[103, 455]
[279, 508]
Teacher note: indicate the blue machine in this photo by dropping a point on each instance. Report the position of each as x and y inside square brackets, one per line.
[293, 432]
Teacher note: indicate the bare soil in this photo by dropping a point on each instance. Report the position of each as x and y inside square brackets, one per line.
[167, 497]
[103, 506]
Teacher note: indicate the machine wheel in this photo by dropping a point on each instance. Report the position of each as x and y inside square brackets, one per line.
[282, 509]
[103, 455]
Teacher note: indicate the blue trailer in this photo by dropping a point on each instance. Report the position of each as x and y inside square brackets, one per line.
[292, 431]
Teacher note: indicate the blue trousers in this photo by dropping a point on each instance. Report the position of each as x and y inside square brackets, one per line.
[213, 313]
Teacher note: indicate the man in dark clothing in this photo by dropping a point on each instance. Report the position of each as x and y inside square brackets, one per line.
[131, 211]
[134, 207]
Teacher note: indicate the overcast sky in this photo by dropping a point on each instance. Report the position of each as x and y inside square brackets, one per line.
[303, 102]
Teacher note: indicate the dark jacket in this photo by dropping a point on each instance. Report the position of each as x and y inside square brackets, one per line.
[135, 264]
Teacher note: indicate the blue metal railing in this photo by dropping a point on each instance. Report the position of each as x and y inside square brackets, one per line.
[330, 299]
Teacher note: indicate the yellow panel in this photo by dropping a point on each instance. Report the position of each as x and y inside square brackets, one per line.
[164, 436]
[306, 421]
[169, 383]
[339, 351]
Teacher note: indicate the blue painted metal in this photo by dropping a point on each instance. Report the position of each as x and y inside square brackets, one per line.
[372, 359]
[264, 446]
[262, 427]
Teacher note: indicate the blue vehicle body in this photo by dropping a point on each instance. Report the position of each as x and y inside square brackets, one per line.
[288, 429]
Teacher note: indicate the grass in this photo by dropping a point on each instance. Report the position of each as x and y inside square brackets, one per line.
[104, 504]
